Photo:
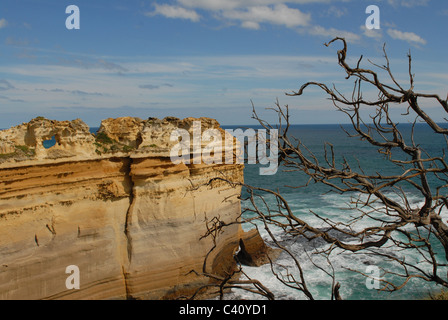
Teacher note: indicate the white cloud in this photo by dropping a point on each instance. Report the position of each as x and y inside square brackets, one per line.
[279, 14]
[238, 4]
[3, 23]
[212, 5]
[175, 12]
[376, 34]
[252, 14]
[204, 78]
[250, 25]
[406, 36]
[337, 12]
[331, 33]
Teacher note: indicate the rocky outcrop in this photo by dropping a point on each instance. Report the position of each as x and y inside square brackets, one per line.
[125, 130]
[72, 138]
[254, 251]
[114, 205]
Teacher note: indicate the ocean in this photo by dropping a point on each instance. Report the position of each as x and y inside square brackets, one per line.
[316, 198]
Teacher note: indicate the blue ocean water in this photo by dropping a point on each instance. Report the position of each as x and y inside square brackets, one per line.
[316, 198]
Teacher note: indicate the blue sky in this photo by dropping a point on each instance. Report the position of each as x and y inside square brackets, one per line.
[204, 57]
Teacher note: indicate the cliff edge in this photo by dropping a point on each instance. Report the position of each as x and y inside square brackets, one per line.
[113, 204]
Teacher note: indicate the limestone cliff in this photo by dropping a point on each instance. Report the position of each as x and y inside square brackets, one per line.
[113, 204]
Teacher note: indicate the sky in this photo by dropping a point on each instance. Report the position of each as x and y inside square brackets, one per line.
[211, 58]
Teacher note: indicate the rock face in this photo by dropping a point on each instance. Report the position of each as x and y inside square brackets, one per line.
[114, 205]
[254, 251]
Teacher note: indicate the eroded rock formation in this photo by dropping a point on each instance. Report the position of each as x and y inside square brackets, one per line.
[254, 251]
[114, 205]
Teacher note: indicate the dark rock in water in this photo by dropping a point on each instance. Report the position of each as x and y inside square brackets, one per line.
[254, 251]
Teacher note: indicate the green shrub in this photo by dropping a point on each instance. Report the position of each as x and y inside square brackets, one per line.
[127, 148]
[101, 137]
[25, 149]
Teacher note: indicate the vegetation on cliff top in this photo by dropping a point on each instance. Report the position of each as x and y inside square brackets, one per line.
[106, 144]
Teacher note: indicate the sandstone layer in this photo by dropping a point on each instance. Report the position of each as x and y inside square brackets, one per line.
[114, 205]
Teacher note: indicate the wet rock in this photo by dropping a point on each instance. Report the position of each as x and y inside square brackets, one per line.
[254, 251]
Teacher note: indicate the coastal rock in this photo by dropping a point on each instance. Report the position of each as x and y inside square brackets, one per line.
[131, 220]
[254, 251]
[72, 138]
[126, 130]
[6, 147]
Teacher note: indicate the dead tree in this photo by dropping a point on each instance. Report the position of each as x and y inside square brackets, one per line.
[380, 221]
[378, 198]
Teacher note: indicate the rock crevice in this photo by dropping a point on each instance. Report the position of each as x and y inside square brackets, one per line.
[127, 233]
